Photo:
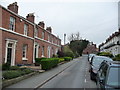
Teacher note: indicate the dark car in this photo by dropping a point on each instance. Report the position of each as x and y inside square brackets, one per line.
[108, 75]
[95, 64]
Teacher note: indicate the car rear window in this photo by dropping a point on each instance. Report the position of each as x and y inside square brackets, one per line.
[113, 77]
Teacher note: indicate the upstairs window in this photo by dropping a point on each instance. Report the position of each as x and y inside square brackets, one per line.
[43, 35]
[36, 32]
[12, 23]
[25, 29]
[52, 40]
[48, 37]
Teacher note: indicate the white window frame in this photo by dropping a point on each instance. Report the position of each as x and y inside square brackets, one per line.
[24, 49]
[36, 32]
[43, 35]
[12, 23]
[49, 37]
[43, 50]
[25, 29]
[52, 51]
[49, 51]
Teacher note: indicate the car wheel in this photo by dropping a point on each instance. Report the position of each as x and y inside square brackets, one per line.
[91, 76]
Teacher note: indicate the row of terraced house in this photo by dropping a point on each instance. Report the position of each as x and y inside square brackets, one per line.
[22, 40]
[112, 44]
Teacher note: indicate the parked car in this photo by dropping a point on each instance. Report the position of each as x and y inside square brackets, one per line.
[90, 57]
[95, 64]
[108, 75]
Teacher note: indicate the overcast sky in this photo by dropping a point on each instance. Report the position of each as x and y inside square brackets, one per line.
[94, 20]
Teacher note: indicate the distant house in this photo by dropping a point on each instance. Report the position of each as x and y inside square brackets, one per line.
[112, 44]
[22, 39]
[91, 48]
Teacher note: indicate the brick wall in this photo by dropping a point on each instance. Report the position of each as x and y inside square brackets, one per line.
[18, 35]
[20, 42]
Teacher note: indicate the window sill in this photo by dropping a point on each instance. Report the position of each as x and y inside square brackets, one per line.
[42, 56]
[24, 59]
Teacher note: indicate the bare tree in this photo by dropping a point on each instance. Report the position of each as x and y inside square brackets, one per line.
[74, 36]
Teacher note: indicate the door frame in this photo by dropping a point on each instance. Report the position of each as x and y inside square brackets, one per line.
[13, 51]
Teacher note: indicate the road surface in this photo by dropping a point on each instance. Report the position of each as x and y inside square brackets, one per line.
[74, 74]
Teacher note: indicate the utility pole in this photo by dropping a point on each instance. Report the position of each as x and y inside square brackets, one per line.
[64, 38]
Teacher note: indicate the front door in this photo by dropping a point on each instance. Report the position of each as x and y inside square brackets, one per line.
[9, 52]
[36, 51]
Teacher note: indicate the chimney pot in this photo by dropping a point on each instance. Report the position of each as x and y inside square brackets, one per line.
[42, 24]
[30, 17]
[49, 29]
[13, 7]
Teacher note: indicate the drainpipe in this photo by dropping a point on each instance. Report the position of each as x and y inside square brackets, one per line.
[34, 45]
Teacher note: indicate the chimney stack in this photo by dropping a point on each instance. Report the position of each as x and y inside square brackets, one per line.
[42, 24]
[49, 29]
[30, 17]
[13, 7]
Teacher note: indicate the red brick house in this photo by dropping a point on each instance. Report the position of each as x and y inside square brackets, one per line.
[91, 48]
[22, 40]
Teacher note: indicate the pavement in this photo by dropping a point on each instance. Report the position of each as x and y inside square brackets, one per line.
[73, 74]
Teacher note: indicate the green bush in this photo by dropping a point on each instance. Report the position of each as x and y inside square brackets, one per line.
[67, 58]
[11, 74]
[14, 68]
[15, 73]
[61, 60]
[117, 58]
[38, 61]
[69, 54]
[49, 63]
[107, 54]
[6, 66]
[25, 71]
[22, 68]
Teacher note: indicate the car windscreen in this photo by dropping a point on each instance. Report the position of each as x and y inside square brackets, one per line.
[113, 77]
[97, 61]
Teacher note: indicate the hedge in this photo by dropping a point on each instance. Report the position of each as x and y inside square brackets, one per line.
[14, 68]
[15, 73]
[11, 74]
[117, 58]
[6, 66]
[49, 63]
[67, 58]
[38, 61]
[105, 54]
[61, 60]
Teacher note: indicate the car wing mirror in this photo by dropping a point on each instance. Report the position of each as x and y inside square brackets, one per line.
[101, 80]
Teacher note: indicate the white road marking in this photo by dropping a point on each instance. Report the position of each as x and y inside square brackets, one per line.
[85, 81]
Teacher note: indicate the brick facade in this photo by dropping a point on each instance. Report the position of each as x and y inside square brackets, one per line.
[91, 48]
[22, 44]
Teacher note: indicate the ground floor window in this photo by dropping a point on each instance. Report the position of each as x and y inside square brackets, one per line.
[49, 48]
[42, 50]
[24, 52]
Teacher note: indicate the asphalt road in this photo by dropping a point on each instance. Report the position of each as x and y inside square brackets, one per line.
[76, 76]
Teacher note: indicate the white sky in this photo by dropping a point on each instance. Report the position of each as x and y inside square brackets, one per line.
[95, 20]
